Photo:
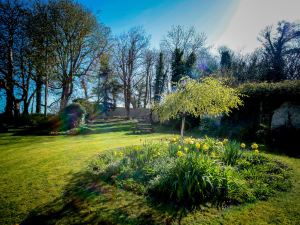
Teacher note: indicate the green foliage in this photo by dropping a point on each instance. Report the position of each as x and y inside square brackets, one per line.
[71, 116]
[178, 65]
[192, 171]
[231, 153]
[289, 89]
[191, 180]
[89, 107]
[261, 99]
[160, 78]
[208, 97]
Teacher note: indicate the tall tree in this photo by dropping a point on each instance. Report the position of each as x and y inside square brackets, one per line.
[189, 64]
[149, 60]
[128, 52]
[185, 39]
[226, 60]
[160, 78]
[41, 33]
[278, 46]
[177, 66]
[75, 47]
[12, 13]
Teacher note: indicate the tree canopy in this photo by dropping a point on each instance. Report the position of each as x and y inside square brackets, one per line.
[207, 97]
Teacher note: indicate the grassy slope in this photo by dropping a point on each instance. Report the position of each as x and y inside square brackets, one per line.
[45, 175]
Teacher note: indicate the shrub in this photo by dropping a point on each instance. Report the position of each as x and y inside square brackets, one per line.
[71, 116]
[89, 107]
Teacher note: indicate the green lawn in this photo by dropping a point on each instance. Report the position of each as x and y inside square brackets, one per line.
[34, 170]
[44, 181]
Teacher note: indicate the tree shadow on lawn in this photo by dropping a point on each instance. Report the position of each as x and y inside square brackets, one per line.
[88, 200]
[98, 128]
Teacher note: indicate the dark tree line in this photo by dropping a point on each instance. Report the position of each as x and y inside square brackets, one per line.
[276, 60]
[55, 51]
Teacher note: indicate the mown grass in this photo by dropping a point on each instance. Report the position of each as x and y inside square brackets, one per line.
[34, 170]
[44, 181]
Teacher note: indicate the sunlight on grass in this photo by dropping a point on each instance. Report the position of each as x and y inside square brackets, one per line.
[45, 176]
[35, 169]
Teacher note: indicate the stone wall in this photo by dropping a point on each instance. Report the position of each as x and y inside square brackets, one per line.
[138, 113]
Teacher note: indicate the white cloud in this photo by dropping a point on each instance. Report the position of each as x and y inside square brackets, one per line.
[251, 17]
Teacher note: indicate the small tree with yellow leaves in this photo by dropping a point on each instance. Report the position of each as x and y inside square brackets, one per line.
[207, 97]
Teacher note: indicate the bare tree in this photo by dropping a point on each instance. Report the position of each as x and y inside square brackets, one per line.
[278, 45]
[185, 39]
[12, 14]
[149, 61]
[75, 49]
[128, 53]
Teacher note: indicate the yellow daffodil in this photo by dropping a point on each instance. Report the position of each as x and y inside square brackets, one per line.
[254, 146]
[198, 145]
[225, 141]
[220, 143]
[205, 147]
[256, 152]
[243, 145]
[180, 154]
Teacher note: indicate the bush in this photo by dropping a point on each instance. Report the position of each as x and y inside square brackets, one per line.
[71, 116]
[192, 171]
[89, 107]
[261, 99]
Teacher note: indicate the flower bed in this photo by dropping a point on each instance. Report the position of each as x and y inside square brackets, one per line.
[190, 172]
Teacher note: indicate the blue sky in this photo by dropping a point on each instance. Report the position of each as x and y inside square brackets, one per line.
[235, 23]
[157, 16]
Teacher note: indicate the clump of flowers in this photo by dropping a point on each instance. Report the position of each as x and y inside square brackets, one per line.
[193, 161]
[225, 141]
[220, 143]
[180, 154]
[205, 147]
[254, 146]
[243, 145]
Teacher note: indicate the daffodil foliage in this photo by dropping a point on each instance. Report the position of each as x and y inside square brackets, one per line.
[207, 97]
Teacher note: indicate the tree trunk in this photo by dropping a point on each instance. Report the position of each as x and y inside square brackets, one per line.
[147, 88]
[127, 96]
[46, 96]
[10, 86]
[26, 108]
[66, 92]
[182, 126]
[38, 93]
[9, 104]
[16, 109]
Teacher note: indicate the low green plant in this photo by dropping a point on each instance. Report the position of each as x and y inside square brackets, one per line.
[231, 153]
[191, 180]
[191, 172]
